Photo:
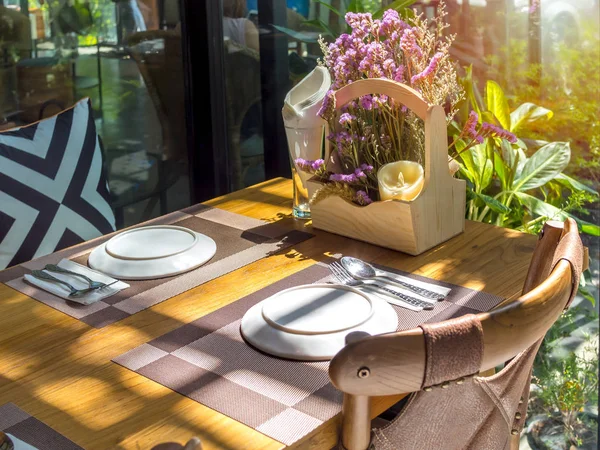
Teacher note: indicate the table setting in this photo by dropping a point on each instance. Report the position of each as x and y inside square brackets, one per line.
[220, 320]
[246, 308]
[73, 282]
[250, 392]
[267, 353]
[110, 278]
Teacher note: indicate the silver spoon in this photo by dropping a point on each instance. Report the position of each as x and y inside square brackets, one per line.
[392, 296]
[362, 270]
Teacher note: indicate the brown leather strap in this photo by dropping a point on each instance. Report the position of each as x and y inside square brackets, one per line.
[570, 249]
[454, 349]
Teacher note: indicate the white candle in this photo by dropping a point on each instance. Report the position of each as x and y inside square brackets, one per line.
[400, 180]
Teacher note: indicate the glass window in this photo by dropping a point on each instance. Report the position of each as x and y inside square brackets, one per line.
[125, 55]
[243, 93]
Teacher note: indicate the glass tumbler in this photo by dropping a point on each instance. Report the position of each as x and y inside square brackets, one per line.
[305, 143]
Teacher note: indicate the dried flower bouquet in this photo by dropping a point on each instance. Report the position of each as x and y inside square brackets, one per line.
[373, 130]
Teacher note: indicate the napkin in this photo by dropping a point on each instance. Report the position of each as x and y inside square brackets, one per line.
[78, 283]
[19, 444]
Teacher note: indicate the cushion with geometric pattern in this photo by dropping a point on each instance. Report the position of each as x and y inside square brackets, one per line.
[53, 190]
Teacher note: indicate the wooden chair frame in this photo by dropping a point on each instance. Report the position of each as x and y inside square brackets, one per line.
[394, 363]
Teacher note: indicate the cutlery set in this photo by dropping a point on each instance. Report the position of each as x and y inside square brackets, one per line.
[349, 271]
[354, 272]
[93, 285]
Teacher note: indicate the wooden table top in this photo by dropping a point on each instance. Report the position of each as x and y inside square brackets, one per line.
[59, 369]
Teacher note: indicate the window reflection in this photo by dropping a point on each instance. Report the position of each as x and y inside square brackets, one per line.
[125, 55]
[129, 18]
[243, 94]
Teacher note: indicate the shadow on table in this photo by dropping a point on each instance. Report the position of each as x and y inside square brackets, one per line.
[109, 375]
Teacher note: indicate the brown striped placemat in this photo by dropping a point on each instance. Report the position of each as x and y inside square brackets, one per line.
[18, 423]
[240, 241]
[208, 361]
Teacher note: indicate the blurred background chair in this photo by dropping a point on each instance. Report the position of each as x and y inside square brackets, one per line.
[157, 54]
[243, 87]
[15, 43]
[158, 57]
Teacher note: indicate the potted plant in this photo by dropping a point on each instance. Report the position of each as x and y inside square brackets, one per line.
[387, 178]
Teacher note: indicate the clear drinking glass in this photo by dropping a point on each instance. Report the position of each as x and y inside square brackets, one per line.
[301, 208]
[305, 143]
[304, 130]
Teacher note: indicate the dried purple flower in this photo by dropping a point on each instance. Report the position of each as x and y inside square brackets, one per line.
[343, 178]
[359, 22]
[360, 174]
[327, 109]
[392, 49]
[399, 74]
[362, 198]
[391, 23]
[310, 166]
[535, 4]
[317, 165]
[346, 118]
[408, 43]
[366, 102]
[470, 128]
[430, 70]
[488, 129]
[389, 67]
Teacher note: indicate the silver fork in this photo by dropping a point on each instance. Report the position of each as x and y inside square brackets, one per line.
[393, 297]
[93, 284]
[41, 275]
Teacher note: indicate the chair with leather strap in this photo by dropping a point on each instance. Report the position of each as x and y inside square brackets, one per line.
[452, 406]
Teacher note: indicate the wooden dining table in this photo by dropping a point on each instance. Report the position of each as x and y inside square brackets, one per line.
[59, 369]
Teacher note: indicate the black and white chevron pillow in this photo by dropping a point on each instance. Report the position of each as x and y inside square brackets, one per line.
[53, 191]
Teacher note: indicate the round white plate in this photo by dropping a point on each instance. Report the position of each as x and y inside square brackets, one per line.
[152, 252]
[310, 322]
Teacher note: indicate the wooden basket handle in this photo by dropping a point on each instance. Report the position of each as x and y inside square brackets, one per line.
[397, 91]
[434, 117]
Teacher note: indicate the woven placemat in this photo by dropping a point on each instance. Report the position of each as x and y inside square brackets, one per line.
[27, 428]
[208, 361]
[240, 241]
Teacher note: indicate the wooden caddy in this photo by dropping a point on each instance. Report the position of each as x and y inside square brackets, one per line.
[436, 215]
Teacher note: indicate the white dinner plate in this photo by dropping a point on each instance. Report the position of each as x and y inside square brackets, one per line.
[152, 252]
[310, 322]
[19, 444]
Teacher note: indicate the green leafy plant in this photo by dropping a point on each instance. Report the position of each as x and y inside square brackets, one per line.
[568, 86]
[348, 6]
[568, 383]
[359, 6]
[520, 185]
